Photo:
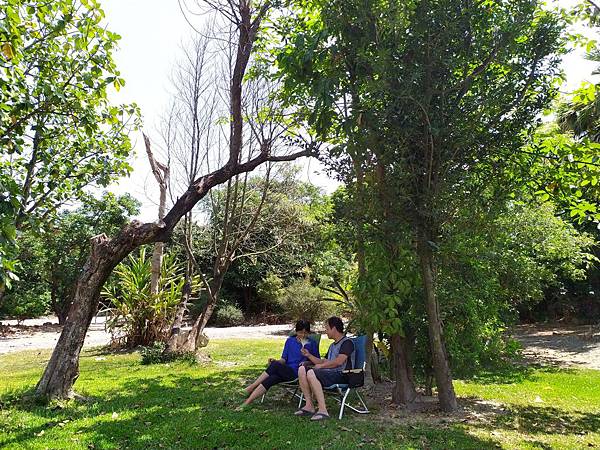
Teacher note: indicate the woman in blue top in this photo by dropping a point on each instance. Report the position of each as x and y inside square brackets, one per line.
[286, 368]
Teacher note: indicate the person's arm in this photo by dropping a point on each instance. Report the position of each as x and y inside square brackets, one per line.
[313, 359]
[284, 353]
[345, 352]
[331, 363]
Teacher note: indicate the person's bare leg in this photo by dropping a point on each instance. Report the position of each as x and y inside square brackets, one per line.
[260, 390]
[305, 387]
[252, 387]
[317, 390]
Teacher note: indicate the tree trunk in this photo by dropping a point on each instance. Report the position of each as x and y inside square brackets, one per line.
[441, 367]
[194, 340]
[404, 391]
[63, 368]
[247, 291]
[161, 174]
[173, 342]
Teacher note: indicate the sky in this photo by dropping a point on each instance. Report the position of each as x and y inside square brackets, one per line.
[152, 32]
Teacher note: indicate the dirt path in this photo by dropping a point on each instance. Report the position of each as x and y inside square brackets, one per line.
[43, 333]
[561, 345]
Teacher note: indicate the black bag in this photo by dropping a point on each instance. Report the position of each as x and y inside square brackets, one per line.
[355, 377]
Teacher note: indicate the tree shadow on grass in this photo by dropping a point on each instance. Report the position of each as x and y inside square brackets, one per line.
[547, 420]
[514, 372]
[182, 411]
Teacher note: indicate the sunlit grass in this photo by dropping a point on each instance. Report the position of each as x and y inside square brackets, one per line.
[179, 405]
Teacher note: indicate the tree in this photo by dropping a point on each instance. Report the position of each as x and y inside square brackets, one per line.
[51, 260]
[426, 93]
[63, 368]
[59, 134]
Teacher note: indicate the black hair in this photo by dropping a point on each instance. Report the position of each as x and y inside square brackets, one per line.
[303, 325]
[336, 322]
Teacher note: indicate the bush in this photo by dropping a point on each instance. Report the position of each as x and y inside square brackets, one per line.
[137, 317]
[270, 290]
[301, 300]
[228, 315]
[26, 301]
[154, 354]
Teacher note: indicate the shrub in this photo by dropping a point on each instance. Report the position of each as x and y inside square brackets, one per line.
[301, 300]
[154, 354]
[270, 290]
[26, 301]
[137, 317]
[228, 315]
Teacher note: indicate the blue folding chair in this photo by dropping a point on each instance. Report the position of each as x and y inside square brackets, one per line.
[356, 378]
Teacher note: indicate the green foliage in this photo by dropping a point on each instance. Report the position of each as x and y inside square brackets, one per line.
[26, 302]
[493, 263]
[51, 259]
[270, 289]
[155, 354]
[136, 316]
[290, 238]
[228, 315]
[59, 134]
[301, 300]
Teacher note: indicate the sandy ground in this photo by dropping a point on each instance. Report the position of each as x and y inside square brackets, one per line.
[561, 345]
[43, 333]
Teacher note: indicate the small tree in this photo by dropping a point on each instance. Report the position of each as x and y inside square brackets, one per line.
[59, 134]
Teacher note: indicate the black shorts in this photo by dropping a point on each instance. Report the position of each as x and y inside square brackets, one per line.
[278, 373]
[329, 377]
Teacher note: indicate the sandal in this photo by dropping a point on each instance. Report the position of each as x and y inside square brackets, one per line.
[304, 413]
[319, 416]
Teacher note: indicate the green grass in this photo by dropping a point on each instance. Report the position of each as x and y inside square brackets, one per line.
[179, 405]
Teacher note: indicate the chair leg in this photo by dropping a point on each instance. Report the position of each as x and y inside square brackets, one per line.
[262, 399]
[300, 401]
[366, 410]
[295, 393]
[343, 404]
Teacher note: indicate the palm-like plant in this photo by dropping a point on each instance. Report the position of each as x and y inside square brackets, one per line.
[137, 317]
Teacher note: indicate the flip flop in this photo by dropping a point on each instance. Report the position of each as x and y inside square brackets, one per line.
[303, 413]
[319, 416]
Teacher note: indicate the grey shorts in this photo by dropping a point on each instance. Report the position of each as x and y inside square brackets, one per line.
[329, 377]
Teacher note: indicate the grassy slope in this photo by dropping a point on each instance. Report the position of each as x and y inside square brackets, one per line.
[184, 406]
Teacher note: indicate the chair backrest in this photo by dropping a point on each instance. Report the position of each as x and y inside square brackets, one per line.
[315, 337]
[360, 351]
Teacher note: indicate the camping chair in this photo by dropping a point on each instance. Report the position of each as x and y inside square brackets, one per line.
[356, 378]
[292, 386]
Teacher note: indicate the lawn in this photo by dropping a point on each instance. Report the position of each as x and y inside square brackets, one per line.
[180, 405]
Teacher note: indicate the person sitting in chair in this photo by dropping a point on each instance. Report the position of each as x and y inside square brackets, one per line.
[326, 372]
[286, 368]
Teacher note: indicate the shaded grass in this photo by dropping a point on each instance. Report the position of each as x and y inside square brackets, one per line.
[179, 405]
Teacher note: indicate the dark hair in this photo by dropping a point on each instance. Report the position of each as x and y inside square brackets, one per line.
[303, 325]
[336, 322]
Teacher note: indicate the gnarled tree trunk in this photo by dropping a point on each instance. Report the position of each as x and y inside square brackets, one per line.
[441, 366]
[404, 391]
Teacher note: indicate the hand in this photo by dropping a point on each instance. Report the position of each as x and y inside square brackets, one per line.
[304, 352]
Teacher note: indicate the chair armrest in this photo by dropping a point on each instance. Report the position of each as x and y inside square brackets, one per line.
[352, 371]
